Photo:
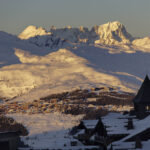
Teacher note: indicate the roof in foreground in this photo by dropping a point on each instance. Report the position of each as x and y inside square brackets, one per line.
[143, 95]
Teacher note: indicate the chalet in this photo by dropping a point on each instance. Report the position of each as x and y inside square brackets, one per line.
[9, 140]
[142, 99]
[92, 132]
[100, 129]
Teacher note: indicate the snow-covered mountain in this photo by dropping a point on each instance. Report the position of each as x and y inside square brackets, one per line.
[74, 35]
[32, 31]
[143, 43]
[109, 34]
[112, 33]
[38, 63]
[41, 62]
[57, 71]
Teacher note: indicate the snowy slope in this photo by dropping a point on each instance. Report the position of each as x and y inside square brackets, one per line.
[142, 43]
[61, 68]
[45, 130]
[7, 44]
[39, 66]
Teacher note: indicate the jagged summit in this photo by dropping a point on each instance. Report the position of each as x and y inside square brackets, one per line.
[75, 35]
[32, 31]
[112, 33]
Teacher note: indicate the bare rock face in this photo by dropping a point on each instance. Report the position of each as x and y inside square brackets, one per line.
[112, 33]
[74, 35]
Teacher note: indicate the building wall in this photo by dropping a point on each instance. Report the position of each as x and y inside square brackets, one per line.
[12, 140]
[13, 143]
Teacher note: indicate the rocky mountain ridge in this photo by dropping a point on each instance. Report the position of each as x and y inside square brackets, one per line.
[59, 60]
[110, 33]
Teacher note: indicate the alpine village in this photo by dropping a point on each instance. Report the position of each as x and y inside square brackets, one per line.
[109, 131]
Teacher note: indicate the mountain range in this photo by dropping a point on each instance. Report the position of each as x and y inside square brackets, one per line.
[37, 62]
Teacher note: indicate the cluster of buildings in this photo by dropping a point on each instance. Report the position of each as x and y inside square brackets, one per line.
[37, 106]
[129, 130]
[78, 103]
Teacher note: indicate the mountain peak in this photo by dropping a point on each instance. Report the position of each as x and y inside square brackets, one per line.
[113, 25]
[112, 33]
[32, 31]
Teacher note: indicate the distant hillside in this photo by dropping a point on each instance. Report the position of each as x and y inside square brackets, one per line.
[38, 62]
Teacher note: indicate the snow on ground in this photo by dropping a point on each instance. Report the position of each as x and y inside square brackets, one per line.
[143, 43]
[58, 69]
[9, 42]
[48, 130]
[30, 71]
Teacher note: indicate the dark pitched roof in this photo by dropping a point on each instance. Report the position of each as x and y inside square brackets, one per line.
[9, 134]
[81, 125]
[100, 129]
[143, 95]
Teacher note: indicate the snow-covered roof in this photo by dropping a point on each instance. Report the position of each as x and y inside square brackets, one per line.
[117, 122]
[90, 124]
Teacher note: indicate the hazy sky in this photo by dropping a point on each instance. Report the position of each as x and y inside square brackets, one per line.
[15, 15]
